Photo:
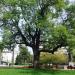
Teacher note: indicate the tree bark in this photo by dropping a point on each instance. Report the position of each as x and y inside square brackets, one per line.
[36, 55]
[70, 56]
[0, 56]
[13, 57]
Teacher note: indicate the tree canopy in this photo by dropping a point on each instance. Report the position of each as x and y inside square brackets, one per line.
[35, 23]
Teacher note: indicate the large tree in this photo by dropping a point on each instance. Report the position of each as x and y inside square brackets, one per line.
[31, 23]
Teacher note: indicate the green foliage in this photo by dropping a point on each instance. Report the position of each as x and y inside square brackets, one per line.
[23, 57]
[58, 57]
[18, 2]
[6, 38]
[32, 15]
[70, 20]
[69, 23]
[1, 46]
[58, 35]
[12, 2]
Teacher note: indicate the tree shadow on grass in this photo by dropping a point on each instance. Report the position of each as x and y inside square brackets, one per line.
[38, 72]
[30, 72]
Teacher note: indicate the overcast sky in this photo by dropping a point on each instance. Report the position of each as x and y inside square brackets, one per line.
[72, 1]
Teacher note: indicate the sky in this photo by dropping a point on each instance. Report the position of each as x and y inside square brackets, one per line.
[30, 50]
[72, 1]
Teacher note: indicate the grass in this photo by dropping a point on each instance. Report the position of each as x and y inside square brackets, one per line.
[35, 72]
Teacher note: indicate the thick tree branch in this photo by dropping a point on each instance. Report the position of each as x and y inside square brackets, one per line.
[23, 37]
[51, 50]
[29, 31]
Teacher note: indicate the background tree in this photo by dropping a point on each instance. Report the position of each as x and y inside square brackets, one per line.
[1, 49]
[56, 58]
[24, 56]
[8, 41]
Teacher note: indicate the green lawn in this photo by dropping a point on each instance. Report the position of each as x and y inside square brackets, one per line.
[34, 72]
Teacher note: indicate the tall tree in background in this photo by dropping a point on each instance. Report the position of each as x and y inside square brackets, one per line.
[8, 43]
[1, 49]
[24, 56]
[31, 23]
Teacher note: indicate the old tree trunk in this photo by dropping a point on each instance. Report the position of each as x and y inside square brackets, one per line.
[35, 47]
[36, 55]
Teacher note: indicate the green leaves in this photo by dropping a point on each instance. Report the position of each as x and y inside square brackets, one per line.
[6, 38]
[58, 36]
[60, 30]
[24, 56]
[19, 2]
[11, 2]
[7, 15]
[1, 46]
[58, 57]
[60, 4]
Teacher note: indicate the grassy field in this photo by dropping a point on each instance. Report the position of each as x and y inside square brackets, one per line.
[35, 72]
